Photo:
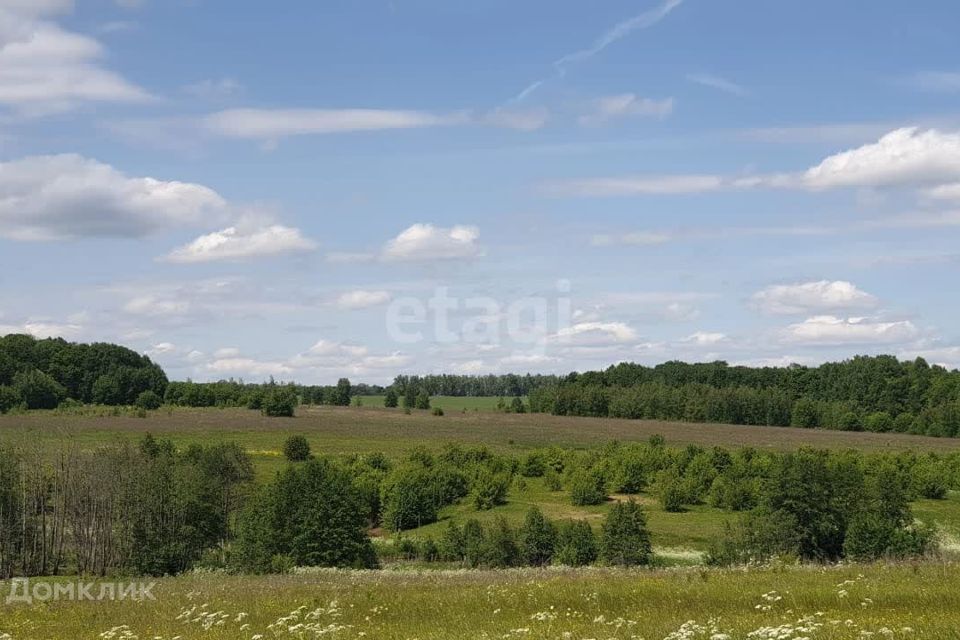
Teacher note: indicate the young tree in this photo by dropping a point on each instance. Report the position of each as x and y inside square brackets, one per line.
[280, 402]
[624, 538]
[538, 539]
[342, 393]
[149, 401]
[576, 544]
[587, 487]
[296, 449]
[423, 399]
[38, 390]
[390, 400]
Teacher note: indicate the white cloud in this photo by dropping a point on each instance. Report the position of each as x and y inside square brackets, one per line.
[273, 124]
[68, 196]
[43, 329]
[905, 156]
[596, 332]
[428, 242]
[945, 192]
[833, 331]
[632, 239]
[361, 299]
[239, 243]
[46, 69]
[161, 349]
[705, 338]
[948, 357]
[812, 297]
[716, 82]
[628, 104]
[153, 305]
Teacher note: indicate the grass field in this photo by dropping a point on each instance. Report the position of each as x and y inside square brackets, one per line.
[787, 603]
[681, 536]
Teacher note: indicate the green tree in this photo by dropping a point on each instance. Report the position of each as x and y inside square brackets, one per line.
[587, 487]
[576, 544]
[149, 400]
[624, 538]
[538, 539]
[296, 448]
[423, 400]
[342, 393]
[390, 400]
[408, 498]
[38, 390]
[280, 402]
[9, 398]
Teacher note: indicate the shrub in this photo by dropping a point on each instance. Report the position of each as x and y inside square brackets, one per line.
[437, 411]
[758, 536]
[423, 400]
[474, 543]
[501, 550]
[879, 422]
[670, 491]
[930, 480]
[587, 486]
[552, 480]
[490, 489]
[517, 406]
[149, 401]
[533, 465]
[391, 400]
[538, 539]
[850, 421]
[280, 402]
[576, 544]
[624, 539]
[296, 449]
[452, 546]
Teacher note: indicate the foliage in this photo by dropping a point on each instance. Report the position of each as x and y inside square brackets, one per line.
[624, 539]
[587, 486]
[149, 400]
[390, 400]
[280, 402]
[296, 448]
[490, 489]
[538, 539]
[576, 544]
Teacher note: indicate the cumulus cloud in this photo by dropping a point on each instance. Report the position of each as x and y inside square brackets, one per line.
[428, 242]
[829, 330]
[624, 105]
[361, 299]
[239, 243]
[812, 297]
[46, 69]
[902, 157]
[68, 196]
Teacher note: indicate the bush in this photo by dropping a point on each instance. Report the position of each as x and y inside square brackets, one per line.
[437, 411]
[587, 486]
[576, 545]
[538, 539]
[759, 536]
[391, 400]
[38, 390]
[624, 539]
[501, 550]
[879, 422]
[490, 489]
[670, 491]
[149, 401]
[280, 402]
[9, 399]
[296, 449]
[517, 406]
[552, 480]
[452, 546]
[423, 400]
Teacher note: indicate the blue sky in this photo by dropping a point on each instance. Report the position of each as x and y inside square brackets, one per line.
[364, 188]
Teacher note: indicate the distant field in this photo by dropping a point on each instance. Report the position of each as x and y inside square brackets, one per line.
[847, 602]
[447, 403]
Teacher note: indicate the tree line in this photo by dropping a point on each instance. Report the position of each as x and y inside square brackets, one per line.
[865, 393]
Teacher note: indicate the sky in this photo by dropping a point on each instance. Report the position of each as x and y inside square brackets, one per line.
[364, 188]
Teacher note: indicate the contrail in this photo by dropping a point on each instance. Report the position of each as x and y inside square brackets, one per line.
[621, 30]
